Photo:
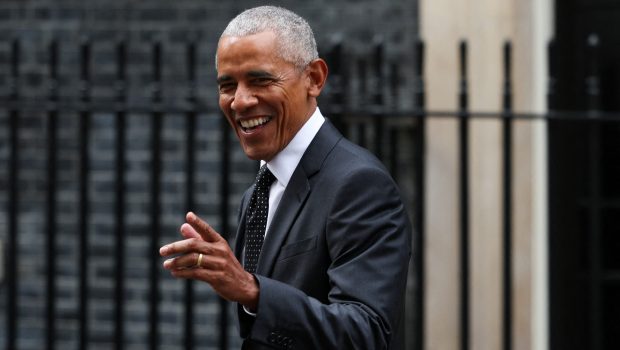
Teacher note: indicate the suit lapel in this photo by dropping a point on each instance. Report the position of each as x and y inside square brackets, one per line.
[294, 197]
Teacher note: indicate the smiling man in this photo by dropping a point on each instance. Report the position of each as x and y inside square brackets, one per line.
[266, 97]
[323, 244]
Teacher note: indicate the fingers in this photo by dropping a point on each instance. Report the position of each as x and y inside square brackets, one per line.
[186, 261]
[195, 230]
[202, 228]
[183, 247]
[205, 256]
[196, 261]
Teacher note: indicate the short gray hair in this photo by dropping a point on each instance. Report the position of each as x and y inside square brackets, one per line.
[295, 37]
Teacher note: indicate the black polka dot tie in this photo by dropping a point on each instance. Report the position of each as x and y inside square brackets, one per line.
[256, 219]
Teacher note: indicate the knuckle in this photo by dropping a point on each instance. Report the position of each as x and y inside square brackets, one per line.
[192, 243]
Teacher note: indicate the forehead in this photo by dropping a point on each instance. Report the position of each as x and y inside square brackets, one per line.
[259, 49]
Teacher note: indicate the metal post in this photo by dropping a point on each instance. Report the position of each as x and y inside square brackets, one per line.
[119, 236]
[363, 92]
[419, 196]
[84, 208]
[338, 83]
[12, 256]
[594, 192]
[155, 231]
[552, 82]
[51, 198]
[507, 197]
[224, 214]
[464, 195]
[377, 107]
[190, 201]
[393, 131]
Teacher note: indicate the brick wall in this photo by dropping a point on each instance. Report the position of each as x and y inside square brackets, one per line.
[140, 23]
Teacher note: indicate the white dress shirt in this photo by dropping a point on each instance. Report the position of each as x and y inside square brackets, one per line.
[284, 163]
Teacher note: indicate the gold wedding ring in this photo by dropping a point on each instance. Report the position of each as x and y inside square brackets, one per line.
[199, 261]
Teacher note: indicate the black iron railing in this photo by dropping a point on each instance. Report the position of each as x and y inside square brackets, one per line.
[369, 126]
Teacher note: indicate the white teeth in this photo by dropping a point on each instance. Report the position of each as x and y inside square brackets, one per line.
[251, 123]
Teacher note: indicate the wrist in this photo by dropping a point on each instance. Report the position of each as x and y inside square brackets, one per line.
[251, 302]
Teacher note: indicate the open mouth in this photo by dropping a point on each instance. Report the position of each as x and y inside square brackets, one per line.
[251, 124]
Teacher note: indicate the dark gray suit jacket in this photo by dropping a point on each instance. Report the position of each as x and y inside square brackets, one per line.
[333, 268]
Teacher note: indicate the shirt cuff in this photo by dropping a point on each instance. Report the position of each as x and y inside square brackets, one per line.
[248, 311]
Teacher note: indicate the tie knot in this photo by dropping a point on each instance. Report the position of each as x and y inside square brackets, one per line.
[264, 178]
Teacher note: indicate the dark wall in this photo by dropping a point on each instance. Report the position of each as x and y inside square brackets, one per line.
[357, 24]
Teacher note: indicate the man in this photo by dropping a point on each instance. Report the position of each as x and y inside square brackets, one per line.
[324, 264]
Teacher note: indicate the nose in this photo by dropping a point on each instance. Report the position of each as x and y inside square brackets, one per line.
[244, 99]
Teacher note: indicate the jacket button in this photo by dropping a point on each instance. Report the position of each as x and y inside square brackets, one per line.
[272, 337]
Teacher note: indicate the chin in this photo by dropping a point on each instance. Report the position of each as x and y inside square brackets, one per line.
[259, 153]
[253, 155]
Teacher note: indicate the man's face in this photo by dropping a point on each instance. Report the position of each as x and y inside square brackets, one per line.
[265, 99]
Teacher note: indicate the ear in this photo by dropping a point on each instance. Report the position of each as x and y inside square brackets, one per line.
[317, 75]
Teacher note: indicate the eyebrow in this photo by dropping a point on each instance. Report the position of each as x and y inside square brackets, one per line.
[259, 74]
[224, 79]
[251, 74]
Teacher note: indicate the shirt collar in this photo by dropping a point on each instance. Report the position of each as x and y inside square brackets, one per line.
[284, 163]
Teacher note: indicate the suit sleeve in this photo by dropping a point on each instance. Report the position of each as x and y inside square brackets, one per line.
[368, 238]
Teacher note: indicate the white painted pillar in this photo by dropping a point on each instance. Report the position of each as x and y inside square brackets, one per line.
[486, 24]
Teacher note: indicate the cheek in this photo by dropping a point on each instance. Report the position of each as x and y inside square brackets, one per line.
[224, 103]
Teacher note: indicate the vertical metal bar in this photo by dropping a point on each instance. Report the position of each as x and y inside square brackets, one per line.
[593, 81]
[51, 198]
[594, 189]
[393, 138]
[156, 126]
[378, 99]
[344, 86]
[190, 202]
[84, 208]
[337, 82]
[363, 92]
[119, 234]
[594, 233]
[419, 162]
[224, 214]
[507, 207]
[464, 195]
[12, 258]
[393, 147]
[552, 82]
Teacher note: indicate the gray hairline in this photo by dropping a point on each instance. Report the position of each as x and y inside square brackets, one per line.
[296, 43]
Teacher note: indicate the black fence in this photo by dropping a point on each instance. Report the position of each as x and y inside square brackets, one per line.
[377, 125]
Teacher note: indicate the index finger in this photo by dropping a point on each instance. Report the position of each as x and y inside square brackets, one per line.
[202, 227]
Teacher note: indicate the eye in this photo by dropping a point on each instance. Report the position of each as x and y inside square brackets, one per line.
[262, 81]
[227, 87]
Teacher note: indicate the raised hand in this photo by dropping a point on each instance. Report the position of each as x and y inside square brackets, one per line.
[205, 255]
